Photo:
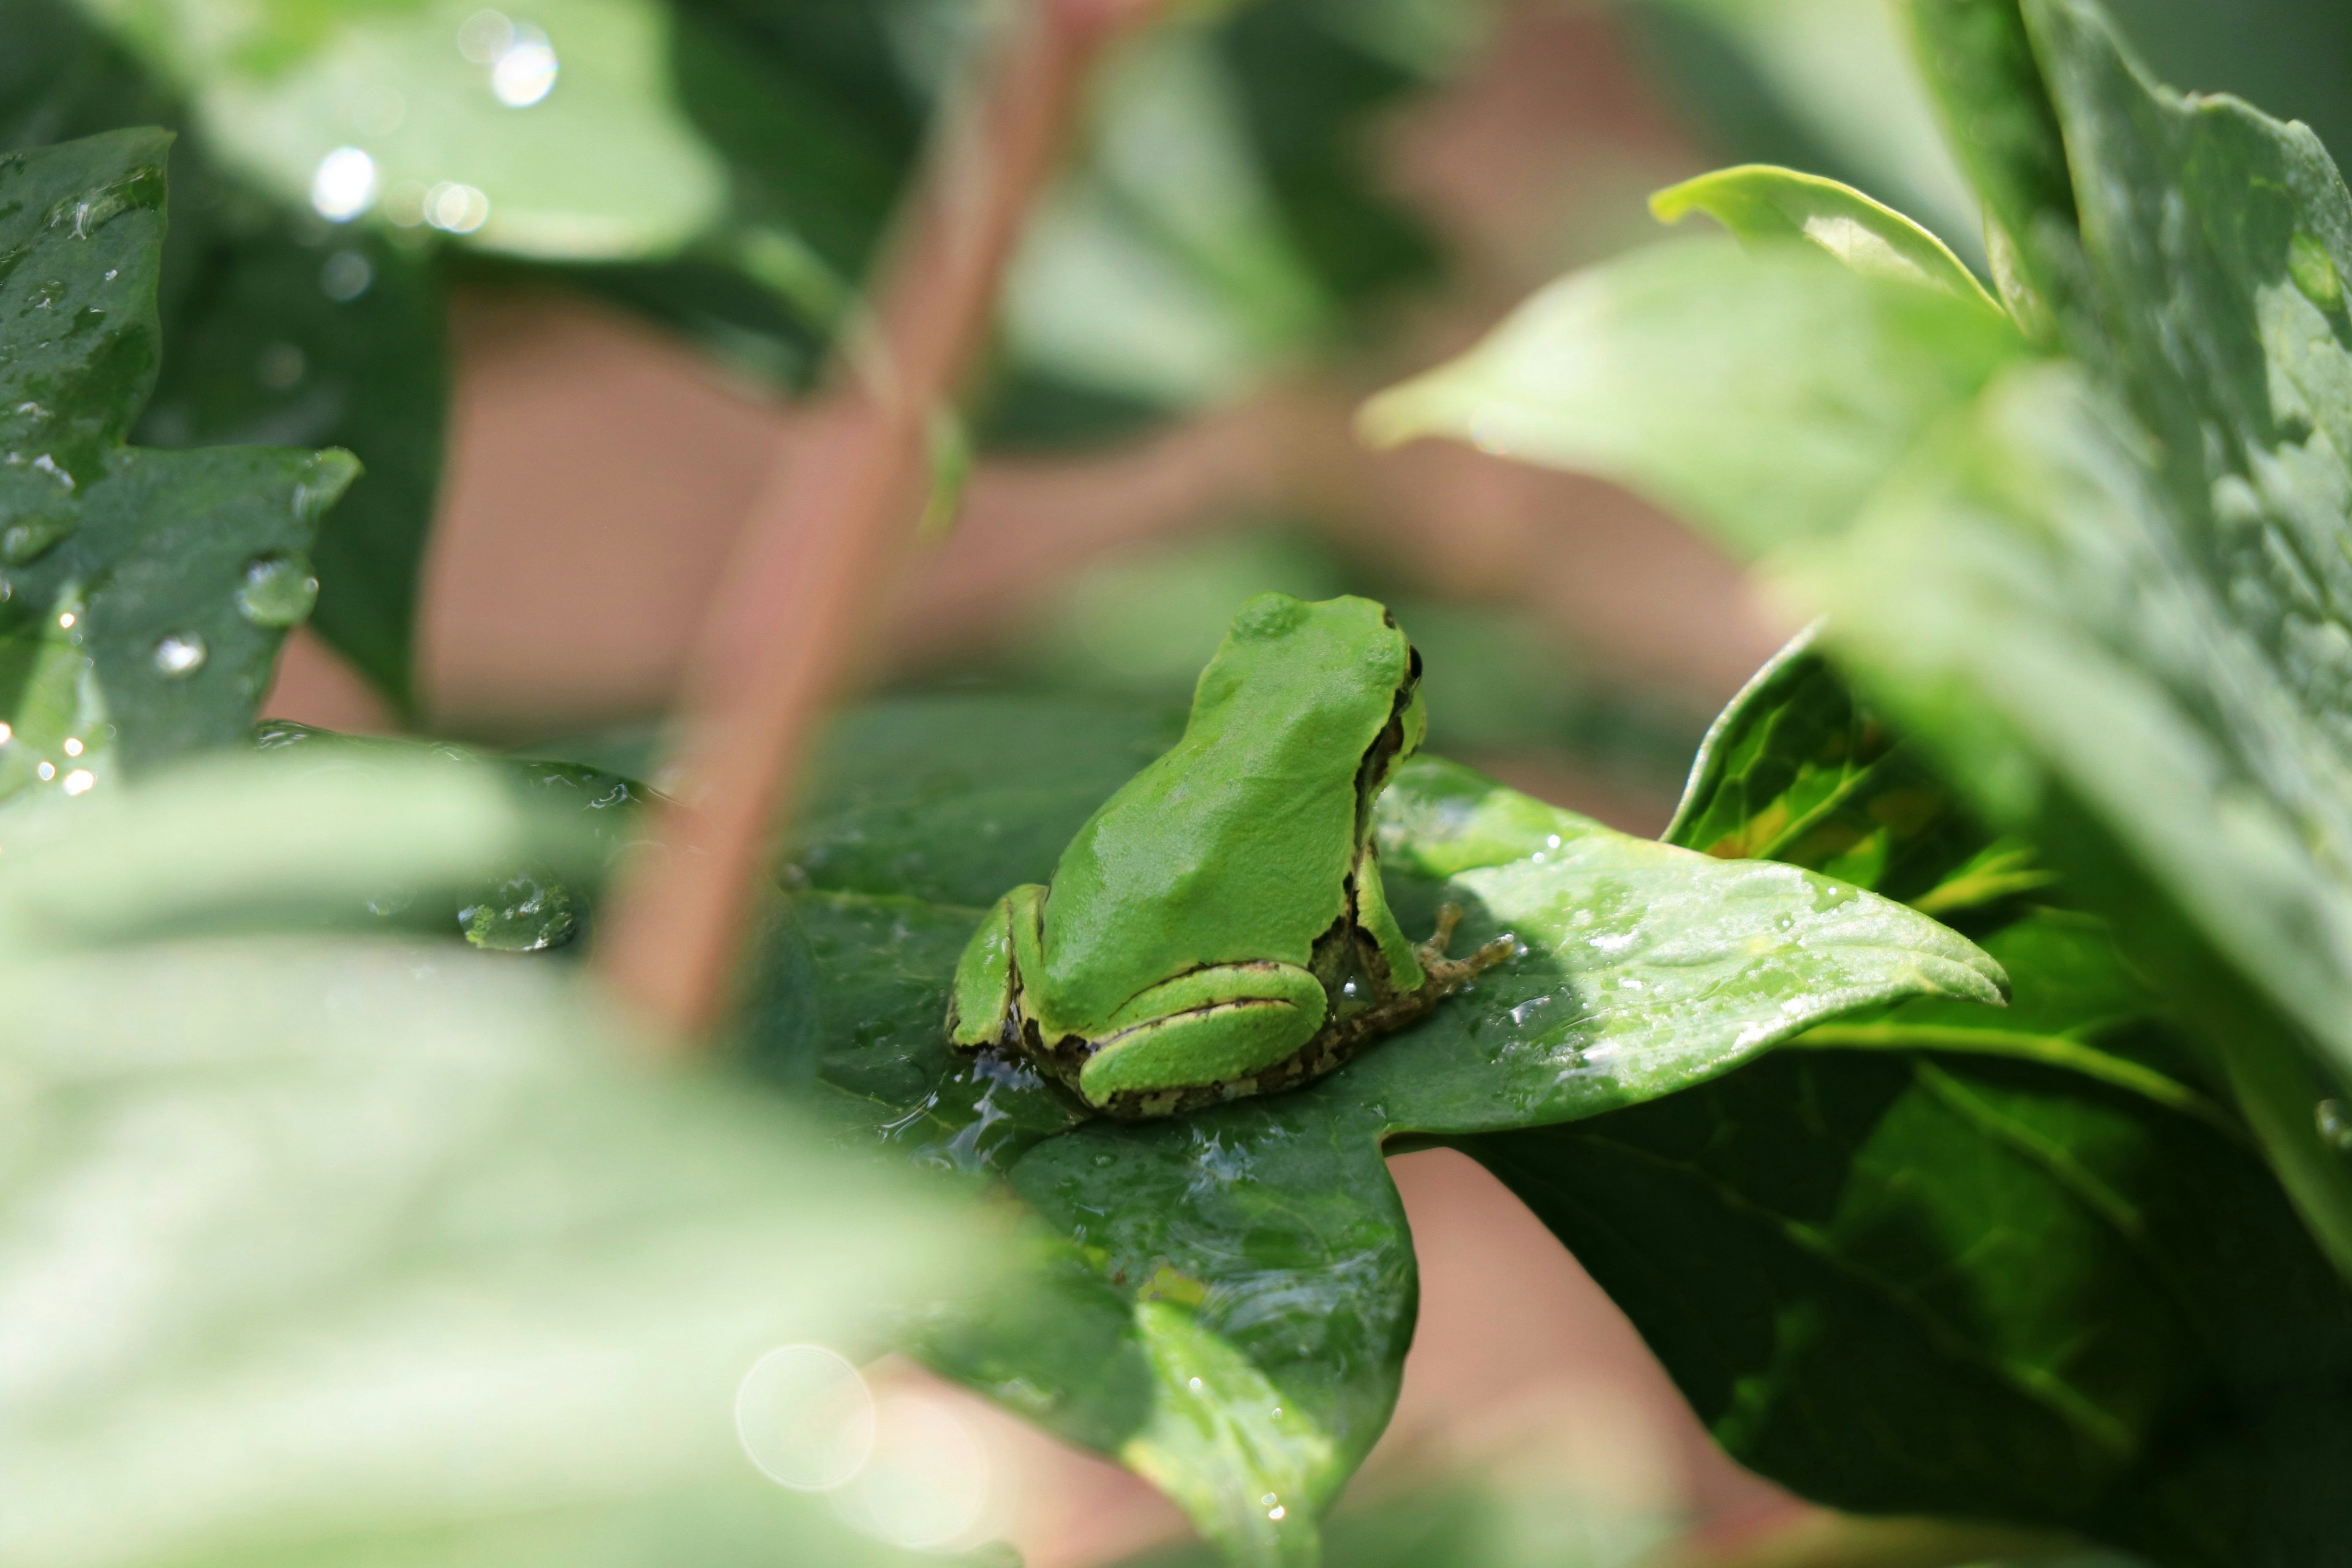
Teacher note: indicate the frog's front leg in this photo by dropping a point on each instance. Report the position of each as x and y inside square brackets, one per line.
[1216, 1025]
[990, 968]
[1417, 977]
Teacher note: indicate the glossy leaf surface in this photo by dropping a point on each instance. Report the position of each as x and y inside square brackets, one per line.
[2107, 593]
[1803, 384]
[144, 608]
[555, 138]
[318, 1249]
[1228, 1295]
[276, 328]
[1761, 204]
[1861, 1214]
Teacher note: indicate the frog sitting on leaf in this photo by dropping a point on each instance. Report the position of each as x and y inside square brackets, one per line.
[1217, 928]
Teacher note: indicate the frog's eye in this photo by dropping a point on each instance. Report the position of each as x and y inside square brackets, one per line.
[1413, 667]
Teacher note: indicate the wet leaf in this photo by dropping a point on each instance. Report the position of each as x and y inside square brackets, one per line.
[408, 1257]
[2106, 593]
[123, 640]
[276, 329]
[553, 137]
[1258, 1248]
[1861, 1213]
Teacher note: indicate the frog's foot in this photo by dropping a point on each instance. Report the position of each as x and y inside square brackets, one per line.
[1447, 975]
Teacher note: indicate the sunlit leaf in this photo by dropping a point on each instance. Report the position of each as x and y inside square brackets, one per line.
[1761, 204]
[1258, 1248]
[552, 136]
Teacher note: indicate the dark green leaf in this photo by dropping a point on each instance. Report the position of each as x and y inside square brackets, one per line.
[146, 591]
[1258, 1248]
[275, 331]
[1948, 1284]
[331, 338]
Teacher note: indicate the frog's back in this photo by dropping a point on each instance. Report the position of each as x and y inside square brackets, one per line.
[1234, 845]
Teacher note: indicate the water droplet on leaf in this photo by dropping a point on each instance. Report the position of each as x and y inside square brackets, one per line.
[279, 591]
[2334, 1125]
[179, 655]
[30, 538]
[528, 912]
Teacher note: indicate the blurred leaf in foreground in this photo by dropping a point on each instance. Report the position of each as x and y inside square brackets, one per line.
[312, 1247]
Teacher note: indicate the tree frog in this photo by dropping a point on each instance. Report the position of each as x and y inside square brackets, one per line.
[1217, 928]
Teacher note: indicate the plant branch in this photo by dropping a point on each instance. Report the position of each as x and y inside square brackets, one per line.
[818, 546]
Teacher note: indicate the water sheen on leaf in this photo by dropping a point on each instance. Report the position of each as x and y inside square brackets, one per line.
[1904, 1220]
[551, 136]
[1225, 1297]
[122, 639]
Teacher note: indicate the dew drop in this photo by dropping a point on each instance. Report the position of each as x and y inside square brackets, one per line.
[45, 771]
[1276, 1513]
[2334, 1125]
[179, 655]
[30, 538]
[279, 591]
[528, 912]
[78, 781]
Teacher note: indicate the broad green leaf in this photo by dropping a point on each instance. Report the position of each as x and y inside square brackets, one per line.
[1258, 1248]
[553, 138]
[316, 339]
[1767, 396]
[1913, 1283]
[1761, 204]
[275, 328]
[1796, 770]
[1823, 85]
[147, 592]
[312, 1248]
[530, 903]
[2108, 595]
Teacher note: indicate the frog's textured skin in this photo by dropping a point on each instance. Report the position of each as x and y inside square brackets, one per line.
[1218, 928]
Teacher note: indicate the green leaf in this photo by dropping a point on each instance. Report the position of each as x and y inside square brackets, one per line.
[1258, 1246]
[1765, 396]
[1796, 770]
[1762, 205]
[316, 1250]
[318, 339]
[147, 592]
[1947, 1284]
[556, 139]
[1982, 1143]
[276, 328]
[2106, 594]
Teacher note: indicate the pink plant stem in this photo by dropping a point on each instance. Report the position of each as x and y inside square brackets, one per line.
[818, 547]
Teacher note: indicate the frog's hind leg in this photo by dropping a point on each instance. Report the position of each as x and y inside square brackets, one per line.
[1448, 975]
[988, 970]
[1202, 1036]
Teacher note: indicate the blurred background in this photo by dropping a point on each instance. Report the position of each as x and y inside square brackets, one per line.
[595, 340]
